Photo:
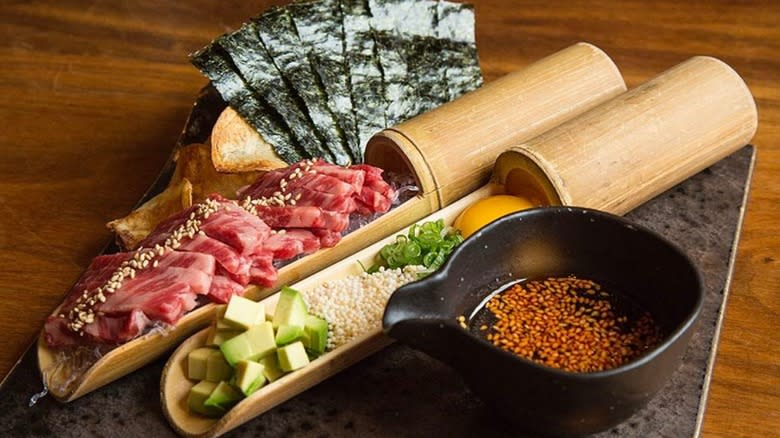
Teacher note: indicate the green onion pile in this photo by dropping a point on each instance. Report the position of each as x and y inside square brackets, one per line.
[427, 244]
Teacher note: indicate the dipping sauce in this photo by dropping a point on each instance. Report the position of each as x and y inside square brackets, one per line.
[567, 323]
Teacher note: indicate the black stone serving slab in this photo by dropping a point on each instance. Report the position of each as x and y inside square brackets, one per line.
[401, 392]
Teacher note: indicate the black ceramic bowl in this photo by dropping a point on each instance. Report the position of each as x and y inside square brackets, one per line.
[538, 243]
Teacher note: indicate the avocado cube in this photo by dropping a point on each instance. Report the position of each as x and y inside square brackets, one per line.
[218, 336]
[290, 309]
[197, 363]
[243, 313]
[196, 400]
[287, 334]
[249, 376]
[217, 368]
[219, 321]
[292, 357]
[261, 338]
[315, 337]
[223, 396]
[236, 349]
[271, 369]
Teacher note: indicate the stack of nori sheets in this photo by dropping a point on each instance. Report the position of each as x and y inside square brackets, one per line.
[319, 78]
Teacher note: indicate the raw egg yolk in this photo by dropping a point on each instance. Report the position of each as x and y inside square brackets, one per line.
[484, 211]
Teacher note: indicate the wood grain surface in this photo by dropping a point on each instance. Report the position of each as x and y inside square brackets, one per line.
[94, 94]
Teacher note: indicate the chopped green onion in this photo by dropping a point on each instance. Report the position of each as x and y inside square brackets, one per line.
[426, 244]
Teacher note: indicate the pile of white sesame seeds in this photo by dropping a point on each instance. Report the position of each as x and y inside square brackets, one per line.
[83, 312]
[354, 305]
[280, 198]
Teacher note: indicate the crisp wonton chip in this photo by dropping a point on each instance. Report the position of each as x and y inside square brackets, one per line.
[237, 147]
[193, 162]
[134, 227]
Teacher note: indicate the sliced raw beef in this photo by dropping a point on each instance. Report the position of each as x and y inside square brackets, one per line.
[236, 227]
[328, 239]
[97, 274]
[117, 329]
[377, 195]
[193, 260]
[353, 176]
[106, 329]
[270, 180]
[230, 224]
[263, 271]
[290, 243]
[325, 201]
[303, 217]
[309, 181]
[227, 257]
[223, 287]
[160, 296]
[371, 201]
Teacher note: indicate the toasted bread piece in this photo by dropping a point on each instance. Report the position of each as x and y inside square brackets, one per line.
[237, 147]
[193, 162]
[134, 227]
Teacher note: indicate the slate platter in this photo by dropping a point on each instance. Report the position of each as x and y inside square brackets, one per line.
[402, 392]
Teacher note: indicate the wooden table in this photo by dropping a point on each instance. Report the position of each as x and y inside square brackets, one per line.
[95, 93]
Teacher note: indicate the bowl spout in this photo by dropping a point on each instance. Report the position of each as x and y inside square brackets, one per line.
[418, 315]
[415, 303]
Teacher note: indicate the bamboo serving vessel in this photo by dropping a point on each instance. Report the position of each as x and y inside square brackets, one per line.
[175, 385]
[446, 168]
[639, 144]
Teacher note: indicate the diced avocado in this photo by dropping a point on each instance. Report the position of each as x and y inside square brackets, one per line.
[292, 357]
[217, 368]
[223, 396]
[218, 336]
[287, 334]
[249, 376]
[261, 337]
[236, 349]
[315, 337]
[290, 309]
[197, 363]
[196, 400]
[255, 343]
[243, 313]
[271, 369]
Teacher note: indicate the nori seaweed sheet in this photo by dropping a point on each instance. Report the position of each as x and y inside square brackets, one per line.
[320, 28]
[256, 66]
[280, 38]
[400, 87]
[429, 69]
[404, 17]
[217, 66]
[414, 74]
[318, 79]
[455, 30]
[366, 78]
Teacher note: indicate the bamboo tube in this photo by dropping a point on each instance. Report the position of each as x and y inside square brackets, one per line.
[643, 142]
[451, 149]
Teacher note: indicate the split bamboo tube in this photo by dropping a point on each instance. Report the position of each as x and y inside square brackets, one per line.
[639, 144]
[451, 149]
